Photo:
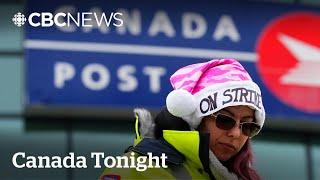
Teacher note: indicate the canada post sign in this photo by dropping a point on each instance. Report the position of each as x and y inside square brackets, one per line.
[122, 53]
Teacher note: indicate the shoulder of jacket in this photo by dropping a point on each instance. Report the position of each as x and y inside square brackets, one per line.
[158, 147]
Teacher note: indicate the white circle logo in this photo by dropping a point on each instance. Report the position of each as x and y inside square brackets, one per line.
[19, 19]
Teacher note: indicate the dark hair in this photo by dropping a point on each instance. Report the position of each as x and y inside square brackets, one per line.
[241, 163]
[166, 121]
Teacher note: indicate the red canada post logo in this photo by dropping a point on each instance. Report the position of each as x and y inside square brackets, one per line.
[289, 60]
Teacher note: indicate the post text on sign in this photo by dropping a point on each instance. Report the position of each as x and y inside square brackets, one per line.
[65, 72]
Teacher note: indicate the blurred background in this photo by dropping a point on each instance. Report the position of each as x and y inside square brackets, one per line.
[73, 88]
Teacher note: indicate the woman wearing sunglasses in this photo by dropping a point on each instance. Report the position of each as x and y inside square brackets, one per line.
[206, 127]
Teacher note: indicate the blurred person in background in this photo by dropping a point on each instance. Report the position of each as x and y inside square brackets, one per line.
[205, 128]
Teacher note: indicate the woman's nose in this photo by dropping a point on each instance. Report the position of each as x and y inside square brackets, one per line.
[235, 131]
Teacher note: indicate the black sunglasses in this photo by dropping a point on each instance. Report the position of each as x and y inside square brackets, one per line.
[226, 122]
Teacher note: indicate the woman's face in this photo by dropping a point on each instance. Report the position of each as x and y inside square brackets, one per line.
[227, 143]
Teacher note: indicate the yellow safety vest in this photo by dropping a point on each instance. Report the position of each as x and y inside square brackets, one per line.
[186, 142]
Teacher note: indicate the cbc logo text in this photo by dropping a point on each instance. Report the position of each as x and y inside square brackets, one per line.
[61, 19]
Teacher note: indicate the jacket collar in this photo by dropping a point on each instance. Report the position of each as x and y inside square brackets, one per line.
[157, 147]
[186, 142]
[177, 145]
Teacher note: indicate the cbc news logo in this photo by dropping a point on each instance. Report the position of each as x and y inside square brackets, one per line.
[61, 19]
[19, 19]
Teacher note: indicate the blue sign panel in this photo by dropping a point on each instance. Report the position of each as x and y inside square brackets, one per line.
[121, 54]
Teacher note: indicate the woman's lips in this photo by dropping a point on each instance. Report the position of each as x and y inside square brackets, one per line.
[228, 146]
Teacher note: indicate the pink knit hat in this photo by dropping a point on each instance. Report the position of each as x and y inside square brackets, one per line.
[205, 88]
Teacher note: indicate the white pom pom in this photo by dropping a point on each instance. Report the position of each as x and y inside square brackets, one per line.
[180, 103]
